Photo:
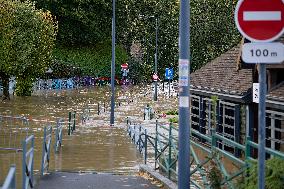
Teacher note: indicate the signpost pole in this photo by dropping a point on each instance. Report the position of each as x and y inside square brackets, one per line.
[261, 126]
[156, 62]
[112, 65]
[184, 96]
[169, 87]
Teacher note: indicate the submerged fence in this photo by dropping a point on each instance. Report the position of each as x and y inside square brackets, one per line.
[12, 131]
[18, 139]
[204, 151]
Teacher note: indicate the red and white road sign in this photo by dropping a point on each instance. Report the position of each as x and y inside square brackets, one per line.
[124, 66]
[155, 77]
[260, 20]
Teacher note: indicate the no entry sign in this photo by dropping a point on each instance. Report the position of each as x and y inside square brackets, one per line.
[155, 77]
[260, 20]
[124, 66]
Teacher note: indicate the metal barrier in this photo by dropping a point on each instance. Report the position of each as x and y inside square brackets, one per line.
[166, 152]
[46, 149]
[58, 134]
[12, 131]
[10, 181]
[28, 163]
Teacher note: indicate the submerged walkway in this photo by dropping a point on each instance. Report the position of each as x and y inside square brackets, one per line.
[62, 180]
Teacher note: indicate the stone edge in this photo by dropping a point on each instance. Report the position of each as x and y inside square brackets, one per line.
[167, 182]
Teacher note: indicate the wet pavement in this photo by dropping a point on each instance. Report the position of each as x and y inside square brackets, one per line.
[61, 180]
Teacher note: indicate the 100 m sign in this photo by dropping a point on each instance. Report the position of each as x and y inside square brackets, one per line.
[269, 53]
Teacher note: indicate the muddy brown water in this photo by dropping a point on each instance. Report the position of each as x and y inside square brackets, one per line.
[91, 148]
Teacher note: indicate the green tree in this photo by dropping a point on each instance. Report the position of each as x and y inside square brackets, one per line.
[212, 26]
[27, 39]
[81, 22]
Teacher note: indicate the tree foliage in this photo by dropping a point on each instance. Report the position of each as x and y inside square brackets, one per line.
[27, 38]
[81, 22]
[85, 23]
[212, 27]
[91, 60]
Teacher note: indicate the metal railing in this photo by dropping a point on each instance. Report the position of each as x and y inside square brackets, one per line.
[13, 129]
[46, 149]
[28, 163]
[58, 134]
[10, 181]
[165, 146]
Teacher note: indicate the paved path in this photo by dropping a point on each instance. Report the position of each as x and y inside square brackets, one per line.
[63, 180]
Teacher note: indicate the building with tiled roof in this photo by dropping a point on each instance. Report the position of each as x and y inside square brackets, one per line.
[223, 87]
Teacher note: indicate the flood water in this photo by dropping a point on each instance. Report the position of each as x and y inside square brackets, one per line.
[94, 147]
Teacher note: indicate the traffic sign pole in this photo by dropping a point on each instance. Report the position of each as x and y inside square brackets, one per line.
[261, 21]
[169, 87]
[261, 126]
[184, 95]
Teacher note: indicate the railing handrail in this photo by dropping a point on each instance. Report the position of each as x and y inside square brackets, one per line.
[167, 142]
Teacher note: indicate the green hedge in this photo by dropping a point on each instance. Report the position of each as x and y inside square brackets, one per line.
[92, 60]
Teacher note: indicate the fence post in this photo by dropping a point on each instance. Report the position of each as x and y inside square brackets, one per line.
[139, 139]
[134, 133]
[156, 144]
[69, 124]
[43, 151]
[10, 181]
[98, 108]
[24, 164]
[213, 142]
[74, 121]
[145, 146]
[170, 150]
[56, 135]
[248, 149]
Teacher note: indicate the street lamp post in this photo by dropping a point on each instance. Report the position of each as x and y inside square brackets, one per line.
[156, 61]
[112, 65]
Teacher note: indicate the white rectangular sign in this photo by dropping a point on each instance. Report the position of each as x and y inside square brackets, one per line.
[255, 95]
[263, 53]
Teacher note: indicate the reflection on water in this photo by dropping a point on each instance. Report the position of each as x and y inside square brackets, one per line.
[90, 148]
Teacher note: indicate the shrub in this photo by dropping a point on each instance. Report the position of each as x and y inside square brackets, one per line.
[274, 175]
[172, 112]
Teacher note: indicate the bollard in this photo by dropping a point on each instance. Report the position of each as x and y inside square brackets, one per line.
[69, 124]
[104, 107]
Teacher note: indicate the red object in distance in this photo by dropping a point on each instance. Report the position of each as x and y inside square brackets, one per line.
[260, 20]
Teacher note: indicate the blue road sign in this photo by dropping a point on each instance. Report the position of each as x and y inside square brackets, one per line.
[169, 73]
